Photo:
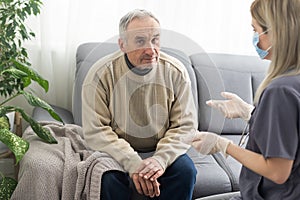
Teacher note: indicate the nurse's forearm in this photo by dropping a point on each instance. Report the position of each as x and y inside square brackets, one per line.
[276, 169]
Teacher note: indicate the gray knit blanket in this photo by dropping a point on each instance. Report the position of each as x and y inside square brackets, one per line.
[68, 170]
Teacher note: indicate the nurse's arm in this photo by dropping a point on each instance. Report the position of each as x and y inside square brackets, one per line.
[277, 170]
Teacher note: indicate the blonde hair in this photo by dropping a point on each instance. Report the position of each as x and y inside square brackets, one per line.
[282, 19]
[257, 10]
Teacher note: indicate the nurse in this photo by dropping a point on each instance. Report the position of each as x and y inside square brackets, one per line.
[271, 159]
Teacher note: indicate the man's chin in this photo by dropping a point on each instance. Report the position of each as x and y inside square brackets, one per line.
[147, 65]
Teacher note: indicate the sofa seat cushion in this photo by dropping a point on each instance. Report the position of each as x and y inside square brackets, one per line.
[211, 177]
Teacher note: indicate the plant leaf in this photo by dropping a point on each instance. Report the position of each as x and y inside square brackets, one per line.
[37, 102]
[41, 131]
[35, 9]
[14, 72]
[5, 109]
[7, 187]
[4, 122]
[32, 74]
[16, 144]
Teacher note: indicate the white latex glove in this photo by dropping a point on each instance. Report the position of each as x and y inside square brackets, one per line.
[210, 143]
[233, 107]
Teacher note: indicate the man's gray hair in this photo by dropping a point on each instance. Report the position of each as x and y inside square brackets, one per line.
[126, 19]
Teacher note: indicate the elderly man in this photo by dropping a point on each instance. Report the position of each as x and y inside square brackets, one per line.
[139, 100]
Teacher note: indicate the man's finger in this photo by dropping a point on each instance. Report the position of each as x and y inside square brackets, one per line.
[135, 179]
[147, 169]
[156, 188]
[151, 172]
[157, 175]
[150, 188]
[144, 186]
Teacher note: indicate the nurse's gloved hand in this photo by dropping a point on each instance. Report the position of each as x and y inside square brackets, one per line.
[210, 143]
[233, 107]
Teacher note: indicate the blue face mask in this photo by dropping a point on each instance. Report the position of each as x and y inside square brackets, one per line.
[262, 53]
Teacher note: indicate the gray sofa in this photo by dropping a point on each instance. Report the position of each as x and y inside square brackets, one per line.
[217, 177]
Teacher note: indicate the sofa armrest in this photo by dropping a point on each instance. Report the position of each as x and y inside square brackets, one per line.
[40, 114]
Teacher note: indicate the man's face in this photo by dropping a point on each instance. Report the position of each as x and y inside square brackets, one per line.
[142, 42]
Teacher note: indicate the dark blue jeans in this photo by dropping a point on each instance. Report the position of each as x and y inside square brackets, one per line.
[177, 183]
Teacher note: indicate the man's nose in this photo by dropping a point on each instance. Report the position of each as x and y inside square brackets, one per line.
[151, 49]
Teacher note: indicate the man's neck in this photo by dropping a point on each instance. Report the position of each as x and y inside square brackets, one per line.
[136, 70]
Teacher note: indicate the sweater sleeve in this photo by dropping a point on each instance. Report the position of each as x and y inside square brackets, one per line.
[182, 119]
[96, 119]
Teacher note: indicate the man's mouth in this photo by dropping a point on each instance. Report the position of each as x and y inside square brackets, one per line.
[150, 60]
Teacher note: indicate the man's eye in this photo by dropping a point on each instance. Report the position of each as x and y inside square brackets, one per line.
[140, 42]
[155, 41]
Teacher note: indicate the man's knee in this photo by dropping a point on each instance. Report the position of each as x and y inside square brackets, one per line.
[113, 178]
[185, 168]
[115, 185]
[184, 162]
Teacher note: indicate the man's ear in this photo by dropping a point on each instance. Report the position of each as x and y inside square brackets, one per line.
[122, 45]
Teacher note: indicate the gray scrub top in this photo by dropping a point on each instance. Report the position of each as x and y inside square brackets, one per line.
[274, 130]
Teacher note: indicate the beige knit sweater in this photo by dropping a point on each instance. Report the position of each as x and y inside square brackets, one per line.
[125, 113]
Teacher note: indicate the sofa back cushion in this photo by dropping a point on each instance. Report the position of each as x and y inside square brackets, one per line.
[215, 73]
[88, 53]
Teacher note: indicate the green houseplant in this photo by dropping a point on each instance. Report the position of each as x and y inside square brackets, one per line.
[16, 75]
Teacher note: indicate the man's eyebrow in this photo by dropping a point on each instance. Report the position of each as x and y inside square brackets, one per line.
[138, 37]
